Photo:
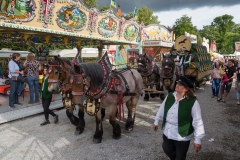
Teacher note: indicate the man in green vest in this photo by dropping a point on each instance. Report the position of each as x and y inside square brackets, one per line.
[181, 118]
[185, 60]
[176, 59]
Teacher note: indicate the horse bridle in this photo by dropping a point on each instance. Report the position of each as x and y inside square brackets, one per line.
[148, 70]
[59, 74]
[74, 93]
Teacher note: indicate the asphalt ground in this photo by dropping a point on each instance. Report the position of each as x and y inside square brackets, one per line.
[25, 139]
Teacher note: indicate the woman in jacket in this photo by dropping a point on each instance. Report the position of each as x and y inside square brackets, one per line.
[15, 70]
[182, 120]
[47, 98]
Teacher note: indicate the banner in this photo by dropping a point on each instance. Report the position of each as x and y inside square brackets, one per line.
[113, 3]
[237, 46]
[135, 13]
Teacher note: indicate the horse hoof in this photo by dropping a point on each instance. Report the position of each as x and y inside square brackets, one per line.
[96, 141]
[116, 137]
[78, 132]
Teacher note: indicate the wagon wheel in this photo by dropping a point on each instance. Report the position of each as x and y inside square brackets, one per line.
[7, 92]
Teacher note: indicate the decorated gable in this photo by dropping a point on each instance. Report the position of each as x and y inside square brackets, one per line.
[156, 32]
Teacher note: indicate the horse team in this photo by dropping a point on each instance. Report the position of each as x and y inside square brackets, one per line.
[95, 87]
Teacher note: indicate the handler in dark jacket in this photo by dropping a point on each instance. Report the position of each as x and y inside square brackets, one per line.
[182, 120]
[47, 97]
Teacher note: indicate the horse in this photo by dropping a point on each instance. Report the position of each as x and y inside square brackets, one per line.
[168, 73]
[60, 78]
[107, 88]
[150, 71]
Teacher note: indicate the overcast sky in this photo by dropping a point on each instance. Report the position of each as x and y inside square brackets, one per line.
[202, 11]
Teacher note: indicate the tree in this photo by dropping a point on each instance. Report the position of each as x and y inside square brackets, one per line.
[144, 15]
[184, 24]
[224, 24]
[104, 8]
[91, 3]
[210, 32]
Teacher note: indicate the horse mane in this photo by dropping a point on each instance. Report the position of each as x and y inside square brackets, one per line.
[95, 72]
[65, 60]
[52, 62]
[72, 71]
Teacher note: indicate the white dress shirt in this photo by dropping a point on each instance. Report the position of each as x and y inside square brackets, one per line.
[189, 60]
[171, 125]
[177, 59]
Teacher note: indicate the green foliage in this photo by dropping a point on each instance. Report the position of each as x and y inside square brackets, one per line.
[91, 3]
[225, 31]
[144, 15]
[184, 24]
[104, 8]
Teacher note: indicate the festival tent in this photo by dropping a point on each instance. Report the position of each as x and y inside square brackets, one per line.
[86, 52]
[237, 53]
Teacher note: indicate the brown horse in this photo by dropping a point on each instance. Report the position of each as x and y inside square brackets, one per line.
[150, 71]
[168, 72]
[106, 88]
[61, 79]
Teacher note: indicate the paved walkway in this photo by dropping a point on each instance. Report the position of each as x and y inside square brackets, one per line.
[25, 139]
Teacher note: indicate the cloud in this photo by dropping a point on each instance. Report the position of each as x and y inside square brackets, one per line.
[166, 5]
[200, 16]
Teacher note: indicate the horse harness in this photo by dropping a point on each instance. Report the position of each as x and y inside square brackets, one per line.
[111, 84]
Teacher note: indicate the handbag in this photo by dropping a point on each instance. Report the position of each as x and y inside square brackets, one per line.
[15, 78]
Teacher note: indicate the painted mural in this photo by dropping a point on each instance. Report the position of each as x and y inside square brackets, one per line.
[131, 32]
[93, 16]
[121, 56]
[120, 27]
[46, 12]
[157, 32]
[107, 27]
[71, 18]
[17, 10]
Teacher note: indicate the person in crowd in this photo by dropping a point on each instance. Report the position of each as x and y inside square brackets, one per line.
[216, 79]
[33, 68]
[47, 98]
[176, 58]
[185, 60]
[14, 70]
[226, 87]
[181, 118]
[1, 74]
[237, 85]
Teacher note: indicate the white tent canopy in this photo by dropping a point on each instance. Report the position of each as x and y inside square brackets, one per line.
[86, 52]
[237, 53]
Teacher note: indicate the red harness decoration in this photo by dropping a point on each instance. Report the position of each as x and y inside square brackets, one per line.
[120, 99]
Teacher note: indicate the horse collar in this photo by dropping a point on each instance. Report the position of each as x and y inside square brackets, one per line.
[104, 87]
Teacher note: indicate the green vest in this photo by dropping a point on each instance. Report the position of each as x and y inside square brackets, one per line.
[45, 93]
[174, 56]
[185, 58]
[185, 119]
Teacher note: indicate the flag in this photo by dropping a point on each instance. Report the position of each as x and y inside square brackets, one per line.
[135, 13]
[119, 11]
[113, 3]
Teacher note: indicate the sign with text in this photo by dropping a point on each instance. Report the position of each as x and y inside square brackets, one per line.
[152, 43]
[237, 46]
